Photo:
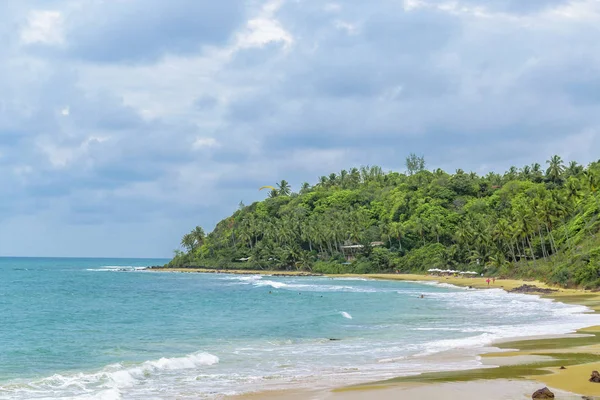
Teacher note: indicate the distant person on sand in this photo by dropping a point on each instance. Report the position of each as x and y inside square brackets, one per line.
[494, 280]
[488, 281]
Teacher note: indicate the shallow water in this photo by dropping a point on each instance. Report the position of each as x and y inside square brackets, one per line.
[93, 328]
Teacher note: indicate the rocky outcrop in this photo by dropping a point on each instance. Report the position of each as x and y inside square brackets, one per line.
[531, 289]
[595, 377]
[544, 393]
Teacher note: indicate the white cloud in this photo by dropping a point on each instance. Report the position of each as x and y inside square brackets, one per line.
[264, 29]
[65, 111]
[45, 27]
[586, 10]
[61, 156]
[413, 4]
[346, 26]
[205, 142]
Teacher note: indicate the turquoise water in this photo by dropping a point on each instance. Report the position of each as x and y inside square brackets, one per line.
[100, 328]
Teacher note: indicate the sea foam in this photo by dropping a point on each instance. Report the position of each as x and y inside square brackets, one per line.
[110, 381]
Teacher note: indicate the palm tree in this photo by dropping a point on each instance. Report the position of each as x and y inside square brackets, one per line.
[511, 174]
[333, 179]
[418, 226]
[354, 176]
[463, 235]
[573, 169]
[555, 168]
[536, 172]
[283, 188]
[397, 230]
[194, 239]
[198, 234]
[187, 242]
[343, 178]
[592, 180]
[526, 172]
[573, 190]
[304, 188]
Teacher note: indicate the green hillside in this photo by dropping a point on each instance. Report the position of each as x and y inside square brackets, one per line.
[532, 222]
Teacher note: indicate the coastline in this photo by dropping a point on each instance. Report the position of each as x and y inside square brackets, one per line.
[230, 271]
[518, 371]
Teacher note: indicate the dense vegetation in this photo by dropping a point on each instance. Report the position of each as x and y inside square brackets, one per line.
[531, 222]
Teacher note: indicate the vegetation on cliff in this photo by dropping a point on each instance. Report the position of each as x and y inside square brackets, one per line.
[532, 222]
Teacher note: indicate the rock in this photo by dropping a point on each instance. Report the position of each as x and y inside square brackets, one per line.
[531, 289]
[544, 393]
[586, 398]
[562, 367]
[595, 377]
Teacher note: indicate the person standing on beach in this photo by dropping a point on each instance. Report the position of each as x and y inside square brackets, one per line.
[488, 282]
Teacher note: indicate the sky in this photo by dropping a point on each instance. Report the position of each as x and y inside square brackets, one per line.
[125, 123]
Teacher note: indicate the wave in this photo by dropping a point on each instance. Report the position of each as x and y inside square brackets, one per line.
[109, 382]
[315, 287]
[117, 268]
[346, 315]
[273, 284]
[441, 284]
[249, 278]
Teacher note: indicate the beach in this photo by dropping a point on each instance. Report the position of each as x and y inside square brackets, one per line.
[514, 369]
[131, 333]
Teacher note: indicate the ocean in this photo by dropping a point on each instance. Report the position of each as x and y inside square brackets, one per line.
[74, 328]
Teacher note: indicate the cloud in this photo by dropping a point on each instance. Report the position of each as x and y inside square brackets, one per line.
[205, 142]
[137, 120]
[141, 31]
[43, 27]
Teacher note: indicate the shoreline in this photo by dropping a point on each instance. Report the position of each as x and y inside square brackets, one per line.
[580, 353]
[230, 271]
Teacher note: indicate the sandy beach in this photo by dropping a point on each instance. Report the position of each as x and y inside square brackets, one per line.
[513, 370]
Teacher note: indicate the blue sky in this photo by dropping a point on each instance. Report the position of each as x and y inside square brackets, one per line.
[124, 123]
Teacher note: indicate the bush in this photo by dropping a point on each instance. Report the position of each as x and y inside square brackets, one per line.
[330, 267]
[423, 258]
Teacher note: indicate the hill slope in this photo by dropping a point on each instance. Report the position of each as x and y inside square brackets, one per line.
[527, 223]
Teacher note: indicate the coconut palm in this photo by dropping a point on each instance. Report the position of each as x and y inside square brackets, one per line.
[555, 169]
[526, 172]
[573, 169]
[536, 172]
[198, 235]
[305, 188]
[187, 242]
[283, 188]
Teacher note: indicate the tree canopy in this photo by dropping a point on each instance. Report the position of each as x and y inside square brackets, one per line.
[526, 223]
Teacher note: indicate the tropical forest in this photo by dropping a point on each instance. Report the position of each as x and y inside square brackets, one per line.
[539, 221]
